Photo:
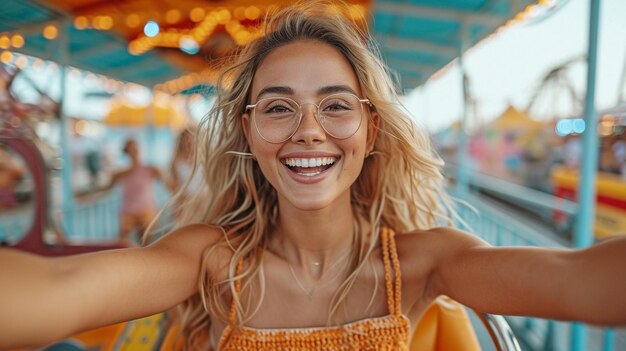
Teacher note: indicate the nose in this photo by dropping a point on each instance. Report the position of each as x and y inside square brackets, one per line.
[310, 130]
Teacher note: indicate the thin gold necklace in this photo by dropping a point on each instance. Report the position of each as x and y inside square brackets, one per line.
[308, 293]
[311, 292]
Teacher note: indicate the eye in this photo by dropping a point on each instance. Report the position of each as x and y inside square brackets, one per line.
[277, 107]
[336, 106]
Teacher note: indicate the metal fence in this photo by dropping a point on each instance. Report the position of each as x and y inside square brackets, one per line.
[91, 220]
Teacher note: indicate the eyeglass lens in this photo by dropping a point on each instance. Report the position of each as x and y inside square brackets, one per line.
[277, 118]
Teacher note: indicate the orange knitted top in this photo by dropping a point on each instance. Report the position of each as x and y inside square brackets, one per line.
[390, 332]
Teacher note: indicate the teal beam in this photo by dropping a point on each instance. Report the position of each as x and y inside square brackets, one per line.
[462, 161]
[609, 340]
[66, 172]
[584, 233]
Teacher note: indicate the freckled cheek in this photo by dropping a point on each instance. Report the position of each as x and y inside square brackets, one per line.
[266, 155]
[353, 156]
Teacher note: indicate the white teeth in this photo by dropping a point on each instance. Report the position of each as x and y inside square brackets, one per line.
[310, 174]
[310, 162]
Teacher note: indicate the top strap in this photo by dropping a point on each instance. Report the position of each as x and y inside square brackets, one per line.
[233, 304]
[391, 261]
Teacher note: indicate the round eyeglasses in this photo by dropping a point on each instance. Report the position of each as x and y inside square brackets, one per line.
[277, 119]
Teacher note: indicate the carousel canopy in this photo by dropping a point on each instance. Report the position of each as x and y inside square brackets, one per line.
[417, 37]
[514, 119]
[156, 115]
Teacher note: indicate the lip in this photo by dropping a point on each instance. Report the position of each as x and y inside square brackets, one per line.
[308, 155]
[308, 179]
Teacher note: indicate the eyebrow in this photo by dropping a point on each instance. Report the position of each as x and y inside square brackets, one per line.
[282, 90]
[285, 90]
[331, 89]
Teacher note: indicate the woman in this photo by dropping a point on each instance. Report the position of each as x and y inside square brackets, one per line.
[182, 169]
[138, 207]
[311, 164]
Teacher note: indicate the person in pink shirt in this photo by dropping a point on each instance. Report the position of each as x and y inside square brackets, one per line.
[138, 206]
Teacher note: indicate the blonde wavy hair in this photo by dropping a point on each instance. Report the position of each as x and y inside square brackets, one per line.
[400, 185]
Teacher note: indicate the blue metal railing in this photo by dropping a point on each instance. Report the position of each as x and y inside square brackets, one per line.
[502, 228]
[98, 220]
[90, 220]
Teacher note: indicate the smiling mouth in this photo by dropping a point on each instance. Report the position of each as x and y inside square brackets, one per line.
[309, 167]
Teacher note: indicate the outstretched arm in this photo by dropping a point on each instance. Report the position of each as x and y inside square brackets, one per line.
[114, 179]
[586, 285]
[43, 299]
[167, 182]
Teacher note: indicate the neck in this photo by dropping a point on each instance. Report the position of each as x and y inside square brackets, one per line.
[315, 241]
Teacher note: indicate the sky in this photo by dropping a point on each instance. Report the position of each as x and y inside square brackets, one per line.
[508, 68]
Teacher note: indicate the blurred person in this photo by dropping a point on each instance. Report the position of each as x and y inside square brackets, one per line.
[185, 180]
[181, 166]
[138, 207]
[619, 157]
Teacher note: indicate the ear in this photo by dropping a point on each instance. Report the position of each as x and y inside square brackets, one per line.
[373, 126]
[245, 125]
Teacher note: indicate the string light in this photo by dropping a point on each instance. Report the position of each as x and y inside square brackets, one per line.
[17, 41]
[106, 22]
[189, 46]
[21, 62]
[81, 22]
[38, 64]
[74, 74]
[52, 67]
[172, 16]
[132, 20]
[50, 32]
[151, 29]
[252, 12]
[6, 57]
[5, 42]
[239, 13]
[197, 14]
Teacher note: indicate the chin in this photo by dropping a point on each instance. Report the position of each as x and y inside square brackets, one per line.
[309, 202]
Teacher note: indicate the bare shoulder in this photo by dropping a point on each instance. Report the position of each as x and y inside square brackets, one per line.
[190, 236]
[437, 243]
[192, 242]
[423, 252]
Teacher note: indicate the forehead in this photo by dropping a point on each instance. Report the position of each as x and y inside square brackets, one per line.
[305, 67]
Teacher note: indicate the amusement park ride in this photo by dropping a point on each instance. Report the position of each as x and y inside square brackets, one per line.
[91, 44]
[611, 178]
[538, 148]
